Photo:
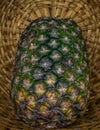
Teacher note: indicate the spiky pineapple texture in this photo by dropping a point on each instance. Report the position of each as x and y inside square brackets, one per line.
[51, 75]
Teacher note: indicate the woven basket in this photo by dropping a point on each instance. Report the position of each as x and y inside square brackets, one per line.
[15, 15]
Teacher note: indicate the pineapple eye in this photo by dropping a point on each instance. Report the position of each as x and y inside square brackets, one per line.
[16, 80]
[43, 109]
[43, 27]
[64, 49]
[76, 56]
[27, 83]
[44, 50]
[24, 57]
[20, 96]
[84, 64]
[26, 69]
[73, 92]
[34, 59]
[71, 77]
[62, 90]
[87, 78]
[59, 69]
[56, 56]
[68, 62]
[65, 104]
[31, 102]
[65, 39]
[77, 46]
[39, 88]
[81, 101]
[69, 113]
[38, 74]
[62, 87]
[32, 46]
[79, 70]
[52, 97]
[42, 38]
[53, 43]
[54, 33]
[50, 79]
[24, 44]
[52, 23]
[82, 85]
[63, 26]
[45, 63]
[74, 34]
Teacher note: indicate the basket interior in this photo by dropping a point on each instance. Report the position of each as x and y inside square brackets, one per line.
[15, 16]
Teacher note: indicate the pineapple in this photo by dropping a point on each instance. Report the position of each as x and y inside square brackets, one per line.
[50, 83]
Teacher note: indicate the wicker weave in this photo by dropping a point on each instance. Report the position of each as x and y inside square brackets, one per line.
[15, 15]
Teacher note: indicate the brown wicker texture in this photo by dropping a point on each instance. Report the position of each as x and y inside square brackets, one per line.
[15, 15]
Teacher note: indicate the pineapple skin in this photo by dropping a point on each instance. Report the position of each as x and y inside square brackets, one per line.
[50, 83]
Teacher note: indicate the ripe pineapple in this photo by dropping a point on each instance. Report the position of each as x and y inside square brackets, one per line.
[50, 83]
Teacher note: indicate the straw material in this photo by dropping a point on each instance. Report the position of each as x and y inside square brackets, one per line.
[15, 16]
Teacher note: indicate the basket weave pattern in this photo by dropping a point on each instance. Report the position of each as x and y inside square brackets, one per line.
[15, 16]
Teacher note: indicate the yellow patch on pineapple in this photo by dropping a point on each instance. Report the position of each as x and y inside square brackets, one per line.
[69, 89]
[62, 89]
[31, 102]
[52, 97]
[65, 105]
[34, 58]
[43, 109]
[81, 101]
[21, 95]
[40, 88]
[73, 92]
[51, 79]
[56, 56]
[69, 113]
